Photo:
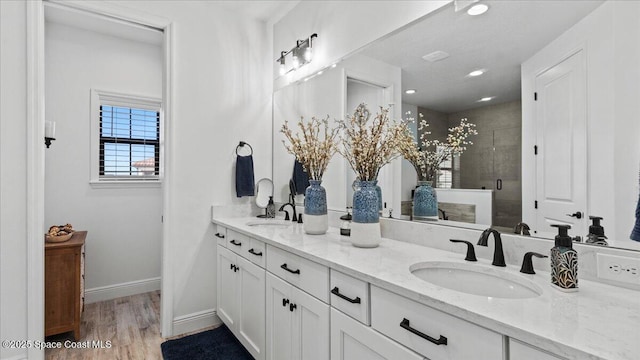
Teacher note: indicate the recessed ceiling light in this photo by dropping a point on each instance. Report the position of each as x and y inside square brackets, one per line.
[488, 98]
[476, 73]
[436, 56]
[410, 91]
[477, 9]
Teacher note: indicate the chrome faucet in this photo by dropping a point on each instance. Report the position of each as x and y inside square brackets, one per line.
[286, 216]
[498, 254]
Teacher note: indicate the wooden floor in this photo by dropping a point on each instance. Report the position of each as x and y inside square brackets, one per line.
[131, 324]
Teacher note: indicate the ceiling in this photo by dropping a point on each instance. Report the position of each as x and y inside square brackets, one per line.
[499, 41]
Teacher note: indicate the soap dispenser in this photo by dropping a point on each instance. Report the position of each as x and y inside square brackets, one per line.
[564, 261]
[345, 226]
[596, 232]
[271, 209]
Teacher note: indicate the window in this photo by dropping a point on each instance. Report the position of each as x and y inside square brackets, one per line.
[126, 139]
[445, 173]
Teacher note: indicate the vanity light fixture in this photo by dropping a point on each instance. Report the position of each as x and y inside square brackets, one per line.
[410, 91]
[49, 132]
[478, 9]
[301, 54]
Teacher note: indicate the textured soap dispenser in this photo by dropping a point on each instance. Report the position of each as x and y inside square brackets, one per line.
[596, 232]
[564, 261]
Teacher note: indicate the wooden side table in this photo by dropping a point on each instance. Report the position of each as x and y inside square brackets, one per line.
[64, 285]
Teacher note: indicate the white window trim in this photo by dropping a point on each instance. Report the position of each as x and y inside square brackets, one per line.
[101, 97]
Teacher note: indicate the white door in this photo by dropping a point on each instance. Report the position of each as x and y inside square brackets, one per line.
[227, 287]
[251, 313]
[351, 340]
[310, 327]
[561, 136]
[279, 329]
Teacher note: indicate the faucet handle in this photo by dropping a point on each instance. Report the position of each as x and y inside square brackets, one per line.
[471, 253]
[527, 262]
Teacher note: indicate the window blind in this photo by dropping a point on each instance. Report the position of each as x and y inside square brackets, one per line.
[129, 143]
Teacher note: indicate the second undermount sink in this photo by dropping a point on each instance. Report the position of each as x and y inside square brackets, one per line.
[272, 223]
[476, 279]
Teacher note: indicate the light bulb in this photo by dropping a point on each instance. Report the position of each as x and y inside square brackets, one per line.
[282, 69]
[296, 61]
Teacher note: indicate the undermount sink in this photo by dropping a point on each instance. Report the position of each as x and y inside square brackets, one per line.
[476, 280]
[269, 223]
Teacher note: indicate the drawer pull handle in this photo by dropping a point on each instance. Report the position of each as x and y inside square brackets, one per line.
[251, 251]
[405, 325]
[285, 302]
[284, 266]
[235, 243]
[220, 235]
[335, 291]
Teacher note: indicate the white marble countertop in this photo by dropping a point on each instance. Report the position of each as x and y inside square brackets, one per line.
[597, 322]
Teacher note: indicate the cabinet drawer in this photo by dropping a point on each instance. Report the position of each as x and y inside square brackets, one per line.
[221, 235]
[302, 273]
[420, 328]
[351, 340]
[256, 252]
[238, 243]
[521, 351]
[351, 296]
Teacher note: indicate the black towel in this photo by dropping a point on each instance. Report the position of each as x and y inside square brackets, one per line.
[300, 178]
[245, 183]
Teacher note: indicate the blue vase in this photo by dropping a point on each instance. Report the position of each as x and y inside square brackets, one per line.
[379, 192]
[425, 201]
[315, 209]
[366, 203]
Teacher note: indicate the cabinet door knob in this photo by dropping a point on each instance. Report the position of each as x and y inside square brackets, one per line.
[285, 302]
[285, 267]
[292, 307]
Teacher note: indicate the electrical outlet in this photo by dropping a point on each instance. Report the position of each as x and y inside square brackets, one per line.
[619, 268]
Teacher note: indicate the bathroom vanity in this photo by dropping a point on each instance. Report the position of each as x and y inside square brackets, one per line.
[289, 295]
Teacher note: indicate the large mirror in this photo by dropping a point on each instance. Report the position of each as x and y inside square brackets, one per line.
[435, 57]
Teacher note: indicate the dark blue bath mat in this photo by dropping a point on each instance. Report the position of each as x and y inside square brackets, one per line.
[216, 344]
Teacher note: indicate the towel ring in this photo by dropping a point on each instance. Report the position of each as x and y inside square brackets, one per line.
[242, 144]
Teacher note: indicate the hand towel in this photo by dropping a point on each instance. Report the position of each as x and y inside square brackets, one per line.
[300, 178]
[245, 183]
[635, 234]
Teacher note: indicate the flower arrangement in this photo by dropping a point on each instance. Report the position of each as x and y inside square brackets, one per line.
[427, 157]
[313, 148]
[369, 145]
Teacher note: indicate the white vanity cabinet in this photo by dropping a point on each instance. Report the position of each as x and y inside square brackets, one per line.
[430, 332]
[350, 340]
[521, 351]
[241, 300]
[297, 323]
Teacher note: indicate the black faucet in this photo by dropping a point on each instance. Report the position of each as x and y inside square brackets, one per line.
[522, 229]
[286, 216]
[527, 262]
[498, 255]
[471, 254]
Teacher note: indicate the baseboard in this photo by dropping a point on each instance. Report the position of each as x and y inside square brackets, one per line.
[195, 321]
[16, 357]
[109, 292]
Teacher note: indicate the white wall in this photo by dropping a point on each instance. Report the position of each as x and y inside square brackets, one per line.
[13, 126]
[222, 94]
[342, 27]
[611, 35]
[124, 224]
